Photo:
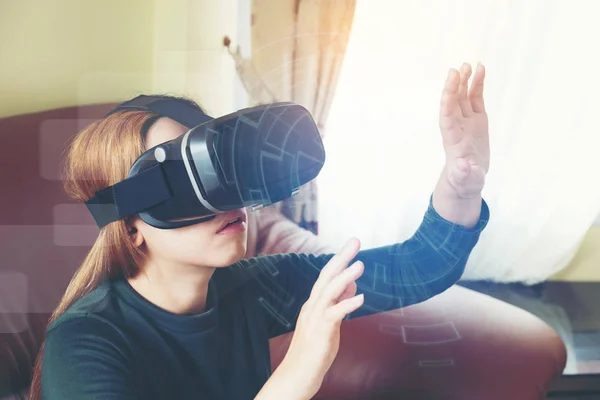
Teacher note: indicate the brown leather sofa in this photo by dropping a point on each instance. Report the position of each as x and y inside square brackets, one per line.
[458, 345]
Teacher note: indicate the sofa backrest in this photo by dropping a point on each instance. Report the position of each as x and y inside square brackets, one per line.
[43, 235]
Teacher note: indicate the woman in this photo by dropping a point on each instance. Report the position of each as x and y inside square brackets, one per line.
[154, 314]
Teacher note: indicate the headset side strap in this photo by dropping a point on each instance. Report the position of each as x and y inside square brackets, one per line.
[130, 196]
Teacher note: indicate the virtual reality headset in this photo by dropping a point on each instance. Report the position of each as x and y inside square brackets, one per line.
[252, 158]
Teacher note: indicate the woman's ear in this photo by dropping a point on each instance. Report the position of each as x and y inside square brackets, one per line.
[134, 233]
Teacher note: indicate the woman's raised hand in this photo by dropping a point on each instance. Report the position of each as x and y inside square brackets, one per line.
[464, 128]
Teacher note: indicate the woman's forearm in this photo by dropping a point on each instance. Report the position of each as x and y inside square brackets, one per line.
[282, 385]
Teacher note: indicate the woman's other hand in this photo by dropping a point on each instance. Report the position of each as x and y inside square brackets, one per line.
[316, 339]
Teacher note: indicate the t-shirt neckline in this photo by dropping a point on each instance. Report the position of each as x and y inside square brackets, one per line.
[179, 323]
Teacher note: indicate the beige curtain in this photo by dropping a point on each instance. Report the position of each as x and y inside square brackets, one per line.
[298, 47]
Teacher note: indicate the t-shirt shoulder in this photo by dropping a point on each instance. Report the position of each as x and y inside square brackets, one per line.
[88, 306]
[86, 356]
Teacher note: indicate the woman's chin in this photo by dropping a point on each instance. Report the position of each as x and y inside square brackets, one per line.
[233, 255]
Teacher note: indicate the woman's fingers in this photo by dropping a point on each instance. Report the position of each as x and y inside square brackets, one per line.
[463, 99]
[350, 291]
[448, 102]
[336, 265]
[476, 90]
[339, 311]
[338, 285]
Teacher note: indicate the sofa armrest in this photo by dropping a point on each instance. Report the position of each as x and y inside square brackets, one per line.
[22, 395]
[458, 345]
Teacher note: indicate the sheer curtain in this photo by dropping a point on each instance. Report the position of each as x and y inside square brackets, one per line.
[298, 47]
[384, 147]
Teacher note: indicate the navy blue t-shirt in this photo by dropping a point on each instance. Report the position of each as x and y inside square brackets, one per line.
[114, 344]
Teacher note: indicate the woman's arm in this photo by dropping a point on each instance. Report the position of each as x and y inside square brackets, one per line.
[424, 265]
[280, 386]
[395, 276]
[85, 358]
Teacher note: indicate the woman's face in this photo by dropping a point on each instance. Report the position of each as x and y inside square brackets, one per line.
[200, 244]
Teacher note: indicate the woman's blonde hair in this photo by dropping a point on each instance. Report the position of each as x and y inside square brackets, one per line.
[99, 156]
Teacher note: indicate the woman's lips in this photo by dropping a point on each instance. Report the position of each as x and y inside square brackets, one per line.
[230, 216]
[236, 227]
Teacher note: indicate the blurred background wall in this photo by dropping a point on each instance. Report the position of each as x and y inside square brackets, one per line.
[67, 52]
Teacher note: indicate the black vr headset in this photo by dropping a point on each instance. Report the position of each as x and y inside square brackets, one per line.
[253, 158]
